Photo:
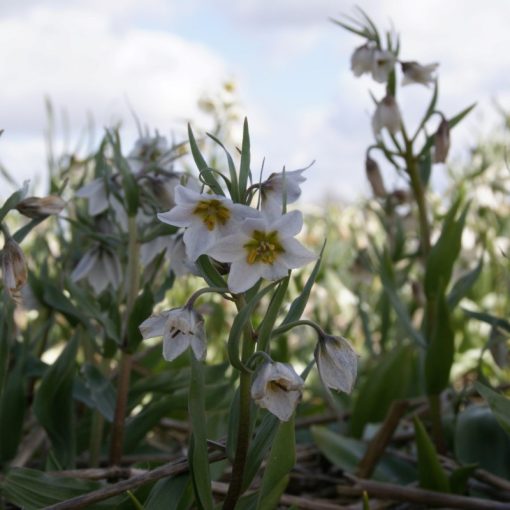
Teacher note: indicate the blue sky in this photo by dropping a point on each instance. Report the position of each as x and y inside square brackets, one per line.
[290, 64]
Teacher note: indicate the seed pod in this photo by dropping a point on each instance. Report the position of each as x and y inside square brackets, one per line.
[442, 142]
[36, 207]
[375, 178]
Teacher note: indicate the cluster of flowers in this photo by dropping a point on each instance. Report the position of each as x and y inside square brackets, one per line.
[256, 244]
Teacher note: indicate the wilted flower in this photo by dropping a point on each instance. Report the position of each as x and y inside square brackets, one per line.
[382, 64]
[14, 266]
[280, 186]
[100, 267]
[337, 362]
[442, 142]
[416, 73]
[375, 178]
[180, 328]
[262, 248]
[362, 59]
[208, 218]
[277, 387]
[95, 192]
[36, 207]
[387, 115]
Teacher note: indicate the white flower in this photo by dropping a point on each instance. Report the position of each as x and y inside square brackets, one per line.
[362, 59]
[382, 64]
[208, 218]
[180, 328]
[262, 248]
[416, 73]
[95, 192]
[14, 266]
[150, 150]
[277, 387]
[279, 186]
[100, 267]
[337, 362]
[387, 115]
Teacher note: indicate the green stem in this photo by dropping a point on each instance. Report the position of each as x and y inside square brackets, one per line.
[132, 287]
[437, 426]
[243, 431]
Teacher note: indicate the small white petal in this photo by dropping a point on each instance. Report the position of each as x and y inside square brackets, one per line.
[274, 271]
[179, 216]
[296, 255]
[289, 224]
[154, 326]
[197, 240]
[173, 347]
[230, 248]
[243, 276]
[85, 265]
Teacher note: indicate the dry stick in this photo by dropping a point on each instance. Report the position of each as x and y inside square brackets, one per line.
[30, 445]
[172, 469]
[430, 498]
[377, 445]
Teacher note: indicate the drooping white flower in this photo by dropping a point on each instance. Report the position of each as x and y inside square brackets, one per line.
[180, 328]
[387, 115]
[337, 362]
[96, 194]
[207, 218]
[362, 59]
[277, 387]
[100, 267]
[150, 150]
[14, 266]
[383, 63]
[40, 207]
[417, 73]
[442, 142]
[279, 187]
[262, 248]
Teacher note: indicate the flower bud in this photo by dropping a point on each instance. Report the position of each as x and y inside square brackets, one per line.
[375, 178]
[442, 142]
[361, 60]
[387, 115]
[416, 73]
[14, 266]
[36, 207]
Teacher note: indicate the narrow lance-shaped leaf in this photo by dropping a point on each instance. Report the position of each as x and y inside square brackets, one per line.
[13, 200]
[464, 284]
[232, 184]
[244, 169]
[499, 405]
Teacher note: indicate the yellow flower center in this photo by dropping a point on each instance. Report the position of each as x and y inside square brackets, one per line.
[212, 212]
[263, 247]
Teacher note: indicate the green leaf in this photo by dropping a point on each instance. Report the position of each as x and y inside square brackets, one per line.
[280, 462]
[440, 350]
[480, 439]
[463, 285]
[392, 376]
[234, 187]
[209, 272]
[102, 393]
[244, 168]
[430, 473]
[444, 253]
[55, 298]
[198, 457]
[13, 200]
[141, 310]
[488, 318]
[239, 323]
[298, 305]
[499, 405]
[32, 490]
[203, 167]
[12, 413]
[346, 453]
[53, 404]
[460, 477]
[22, 232]
[170, 494]
[457, 118]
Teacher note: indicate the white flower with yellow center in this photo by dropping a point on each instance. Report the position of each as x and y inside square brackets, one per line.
[180, 328]
[262, 248]
[277, 387]
[337, 362]
[207, 218]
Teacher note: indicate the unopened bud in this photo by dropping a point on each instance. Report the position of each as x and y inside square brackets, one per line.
[35, 207]
[14, 266]
[387, 115]
[375, 178]
[442, 142]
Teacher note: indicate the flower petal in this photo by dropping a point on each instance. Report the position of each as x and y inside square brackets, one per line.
[154, 326]
[289, 224]
[174, 346]
[179, 216]
[197, 240]
[243, 276]
[295, 255]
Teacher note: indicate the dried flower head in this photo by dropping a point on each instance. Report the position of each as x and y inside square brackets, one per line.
[36, 207]
[14, 266]
[277, 387]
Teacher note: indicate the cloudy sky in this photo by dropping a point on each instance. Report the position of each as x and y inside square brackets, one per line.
[99, 58]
